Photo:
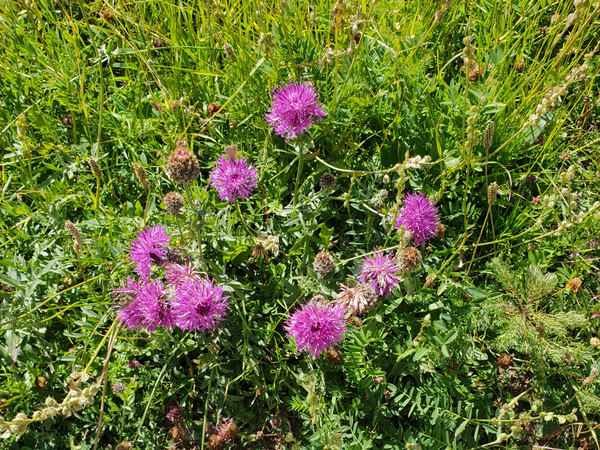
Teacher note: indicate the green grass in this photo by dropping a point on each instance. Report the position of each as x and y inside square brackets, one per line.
[123, 82]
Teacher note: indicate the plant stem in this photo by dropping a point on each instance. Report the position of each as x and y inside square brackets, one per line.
[186, 186]
[298, 173]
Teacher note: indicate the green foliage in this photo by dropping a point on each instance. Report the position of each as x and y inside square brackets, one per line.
[490, 342]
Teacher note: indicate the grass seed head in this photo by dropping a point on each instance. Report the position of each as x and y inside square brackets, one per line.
[141, 175]
[95, 167]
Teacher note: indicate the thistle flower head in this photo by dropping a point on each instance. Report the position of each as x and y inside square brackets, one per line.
[316, 327]
[381, 271]
[295, 109]
[233, 178]
[149, 243]
[357, 299]
[182, 165]
[173, 203]
[150, 308]
[419, 216]
[323, 264]
[199, 305]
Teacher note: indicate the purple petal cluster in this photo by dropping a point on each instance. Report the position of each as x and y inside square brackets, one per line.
[381, 271]
[149, 310]
[188, 301]
[420, 216]
[149, 244]
[199, 305]
[233, 178]
[295, 108]
[317, 326]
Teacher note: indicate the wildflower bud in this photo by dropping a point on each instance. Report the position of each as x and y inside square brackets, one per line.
[488, 135]
[95, 167]
[323, 263]
[141, 175]
[124, 446]
[173, 203]
[258, 251]
[409, 259]
[575, 284]
[216, 442]
[492, 193]
[595, 342]
[118, 388]
[229, 51]
[182, 166]
[327, 181]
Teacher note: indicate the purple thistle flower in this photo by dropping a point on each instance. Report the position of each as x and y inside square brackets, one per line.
[199, 305]
[420, 216]
[316, 327]
[380, 271]
[233, 178]
[153, 304]
[131, 315]
[148, 245]
[294, 109]
[177, 274]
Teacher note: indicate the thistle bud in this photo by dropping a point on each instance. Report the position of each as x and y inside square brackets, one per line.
[182, 166]
[327, 181]
[323, 264]
[173, 203]
[409, 259]
[141, 175]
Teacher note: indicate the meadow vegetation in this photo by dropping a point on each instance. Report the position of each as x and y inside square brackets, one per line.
[285, 225]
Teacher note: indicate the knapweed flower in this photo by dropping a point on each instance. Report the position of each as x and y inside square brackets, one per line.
[233, 178]
[154, 306]
[177, 274]
[294, 109]
[317, 326]
[150, 308]
[419, 216]
[199, 305]
[182, 165]
[148, 247]
[357, 299]
[381, 271]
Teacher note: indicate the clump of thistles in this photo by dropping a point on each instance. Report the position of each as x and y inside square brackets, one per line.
[233, 178]
[357, 299]
[381, 271]
[419, 216]
[295, 109]
[182, 165]
[317, 326]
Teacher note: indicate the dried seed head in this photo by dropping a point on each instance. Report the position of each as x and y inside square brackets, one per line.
[229, 51]
[182, 166]
[95, 167]
[520, 65]
[228, 430]
[173, 203]
[575, 284]
[334, 355]
[505, 360]
[357, 299]
[141, 175]
[323, 263]
[216, 442]
[259, 251]
[118, 388]
[74, 231]
[178, 433]
[429, 283]
[327, 181]
[440, 230]
[593, 375]
[595, 342]
[488, 135]
[492, 193]
[536, 201]
[124, 446]
[231, 152]
[409, 259]
[213, 108]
